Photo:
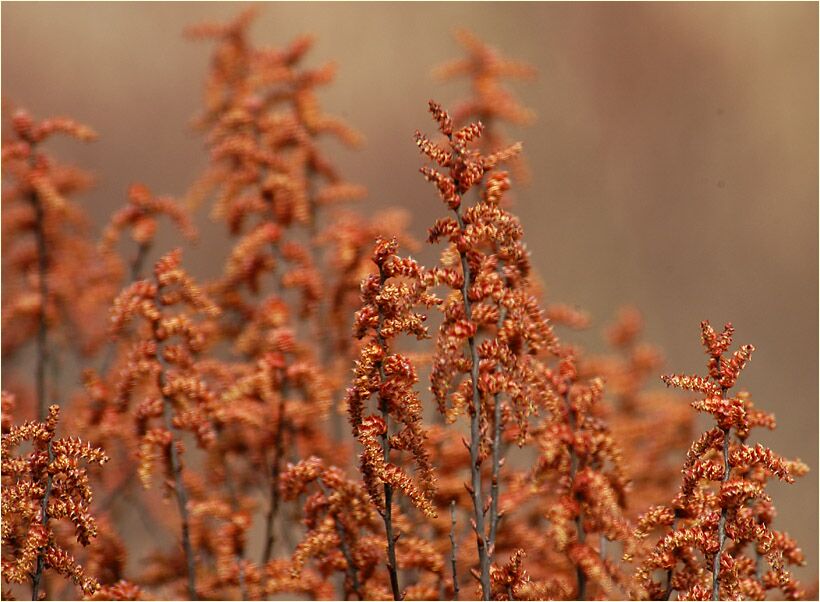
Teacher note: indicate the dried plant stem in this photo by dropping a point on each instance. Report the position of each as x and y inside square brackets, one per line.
[668, 593]
[475, 416]
[176, 468]
[278, 450]
[42, 361]
[722, 522]
[240, 555]
[494, 489]
[579, 520]
[36, 578]
[351, 567]
[182, 503]
[42, 327]
[453, 548]
[388, 489]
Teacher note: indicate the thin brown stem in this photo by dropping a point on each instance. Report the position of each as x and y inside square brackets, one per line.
[42, 325]
[475, 434]
[176, 463]
[668, 593]
[182, 501]
[496, 469]
[722, 521]
[573, 470]
[352, 573]
[36, 578]
[392, 565]
[453, 548]
[278, 450]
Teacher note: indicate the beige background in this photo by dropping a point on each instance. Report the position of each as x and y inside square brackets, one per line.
[675, 156]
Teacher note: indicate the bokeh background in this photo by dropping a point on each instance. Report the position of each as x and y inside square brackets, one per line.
[674, 159]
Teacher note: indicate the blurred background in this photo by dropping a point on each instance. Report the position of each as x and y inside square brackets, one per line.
[674, 160]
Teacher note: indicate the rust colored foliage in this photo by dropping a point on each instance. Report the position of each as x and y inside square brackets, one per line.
[55, 285]
[716, 532]
[308, 436]
[41, 488]
[491, 102]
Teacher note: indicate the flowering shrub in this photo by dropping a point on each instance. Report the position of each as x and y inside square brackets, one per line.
[333, 419]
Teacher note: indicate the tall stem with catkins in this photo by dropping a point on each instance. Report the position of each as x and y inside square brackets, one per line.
[389, 302]
[469, 283]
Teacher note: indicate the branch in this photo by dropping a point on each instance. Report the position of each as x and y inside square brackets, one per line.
[722, 521]
[38, 572]
[573, 470]
[351, 567]
[475, 416]
[273, 510]
[453, 548]
[176, 466]
[42, 329]
[388, 489]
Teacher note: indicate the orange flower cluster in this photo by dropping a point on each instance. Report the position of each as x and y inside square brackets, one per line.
[162, 373]
[389, 300]
[55, 285]
[139, 216]
[491, 103]
[41, 488]
[235, 390]
[722, 497]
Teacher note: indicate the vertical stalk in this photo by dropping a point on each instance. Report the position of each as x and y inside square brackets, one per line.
[42, 361]
[351, 567]
[182, 501]
[36, 578]
[475, 416]
[273, 509]
[42, 284]
[579, 520]
[392, 565]
[669, 572]
[453, 548]
[176, 464]
[494, 490]
[722, 522]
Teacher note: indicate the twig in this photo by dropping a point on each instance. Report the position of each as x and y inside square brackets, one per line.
[273, 509]
[669, 588]
[475, 435]
[453, 548]
[494, 515]
[42, 361]
[176, 466]
[42, 327]
[388, 489]
[41, 561]
[722, 521]
[573, 470]
[351, 567]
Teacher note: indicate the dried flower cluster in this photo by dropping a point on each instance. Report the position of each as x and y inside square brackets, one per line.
[41, 488]
[493, 460]
[717, 529]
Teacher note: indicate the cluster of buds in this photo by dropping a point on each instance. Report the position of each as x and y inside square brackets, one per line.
[389, 302]
[41, 488]
[54, 284]
[717, 529]
[490, 102]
